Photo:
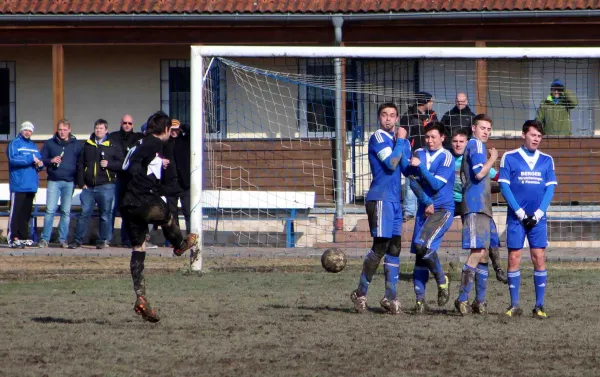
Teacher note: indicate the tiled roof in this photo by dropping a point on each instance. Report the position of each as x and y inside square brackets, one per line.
[283, 6]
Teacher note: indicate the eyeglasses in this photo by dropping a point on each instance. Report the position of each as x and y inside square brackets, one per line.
[129, 123]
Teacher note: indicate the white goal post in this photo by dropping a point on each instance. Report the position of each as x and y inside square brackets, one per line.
[200, 66]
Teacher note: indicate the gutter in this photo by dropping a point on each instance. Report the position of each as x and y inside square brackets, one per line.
[297, 17]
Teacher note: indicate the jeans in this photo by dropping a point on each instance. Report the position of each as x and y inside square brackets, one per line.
[104, 196]
[409, 200]
[64, 191]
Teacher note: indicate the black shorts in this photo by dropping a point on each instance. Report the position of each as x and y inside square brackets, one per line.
[138, 219]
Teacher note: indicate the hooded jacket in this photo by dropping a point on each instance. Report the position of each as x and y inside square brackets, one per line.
[556, 116]
[89, 171]
[22, 173]
[69, 150]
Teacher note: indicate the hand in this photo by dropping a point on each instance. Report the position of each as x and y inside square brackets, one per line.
[39, 163]
[538, 214]
[103, 163]
[430, 210]
[414, 161]
[529, 222]
[84, 187]
[401, 133]
[35, 160]
[521, 215]
[165, 162]
[56, 160]
[493, 154]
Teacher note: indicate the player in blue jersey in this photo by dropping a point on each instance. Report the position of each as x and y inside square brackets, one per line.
[389, 152]
[527, 181]
[459, 142]
[479, 230]
[432, 181]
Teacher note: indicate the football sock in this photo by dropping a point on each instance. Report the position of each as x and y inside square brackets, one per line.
[466, 281]
[514, 284]
[369, 268]
[539, 279]
[481, 276]
[435, 266]
[136, 266]
[391, 266]
[420, 277]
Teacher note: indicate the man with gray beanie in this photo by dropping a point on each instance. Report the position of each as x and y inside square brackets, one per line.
[24, 163]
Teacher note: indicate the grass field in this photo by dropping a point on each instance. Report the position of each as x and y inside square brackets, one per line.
[65, 316]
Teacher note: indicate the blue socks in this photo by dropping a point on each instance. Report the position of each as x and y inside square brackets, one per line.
[539, 279]
[369, 268]
[468, 274]
[391, 266]
[514, 284]
[420, 277]
[481, 276]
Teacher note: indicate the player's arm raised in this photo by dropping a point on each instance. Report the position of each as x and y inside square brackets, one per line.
[391, 158]
[482, 170]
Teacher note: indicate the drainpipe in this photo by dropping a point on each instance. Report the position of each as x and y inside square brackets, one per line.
[339, 130]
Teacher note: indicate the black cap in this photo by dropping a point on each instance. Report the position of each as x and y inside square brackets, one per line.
[423, 97]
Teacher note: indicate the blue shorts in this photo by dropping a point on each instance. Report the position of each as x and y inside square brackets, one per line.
[429, 231]
[479, 232]
[516, 233]
[385, 218]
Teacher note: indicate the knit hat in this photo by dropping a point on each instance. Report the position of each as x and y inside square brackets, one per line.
[557, 84]
[423, 97]
[27, 126]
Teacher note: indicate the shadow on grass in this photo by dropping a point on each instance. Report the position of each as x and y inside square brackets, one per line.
[66, 321]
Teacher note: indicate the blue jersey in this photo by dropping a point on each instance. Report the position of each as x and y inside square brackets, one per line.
[458, 188]
[528, 176]
[440, 164]
[477, 196]
[385, 185]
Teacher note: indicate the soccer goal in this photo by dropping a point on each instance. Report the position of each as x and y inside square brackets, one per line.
[280, 135]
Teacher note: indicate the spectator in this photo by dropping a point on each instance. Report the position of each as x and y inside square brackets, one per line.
[459, 117]
[554, 111]
[24, 162]
[124, 139]
[415, 120]
[60, 155]
[97, 169]
[181, 153]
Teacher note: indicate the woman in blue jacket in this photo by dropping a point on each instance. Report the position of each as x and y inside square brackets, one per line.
[24, 162]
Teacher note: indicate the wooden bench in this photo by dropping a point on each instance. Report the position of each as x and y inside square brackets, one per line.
[290, 202]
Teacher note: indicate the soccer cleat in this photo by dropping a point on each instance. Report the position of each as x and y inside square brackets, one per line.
[501, 276]
[360, 302]
[462, 307]
[143, 308]
[514, 311]
[444, 292]
[539, 312]
[479, 307]
[188, 243]
[420, 307]
[390, 306]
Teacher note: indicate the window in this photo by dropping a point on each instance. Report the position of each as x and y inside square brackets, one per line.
[8, 128]
[175, 94]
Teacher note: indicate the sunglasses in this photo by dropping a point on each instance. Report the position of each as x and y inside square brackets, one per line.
[129, 123]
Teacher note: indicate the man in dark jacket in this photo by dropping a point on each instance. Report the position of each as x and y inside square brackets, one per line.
[97, 169]
[415, 121]
[178, 172]
[125, 138]
[459, 117]
[24, 162]
[143, 205]
[60, 155]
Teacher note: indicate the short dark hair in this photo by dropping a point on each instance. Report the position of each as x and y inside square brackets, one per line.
[386, 105]
[158, 123]
[535, 124]
[460, 131]
[436, 126]
[482, 117]
[101, 121]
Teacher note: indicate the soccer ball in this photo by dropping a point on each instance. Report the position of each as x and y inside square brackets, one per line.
[333, 260]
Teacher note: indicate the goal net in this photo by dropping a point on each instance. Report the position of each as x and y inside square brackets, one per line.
[275, 173]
